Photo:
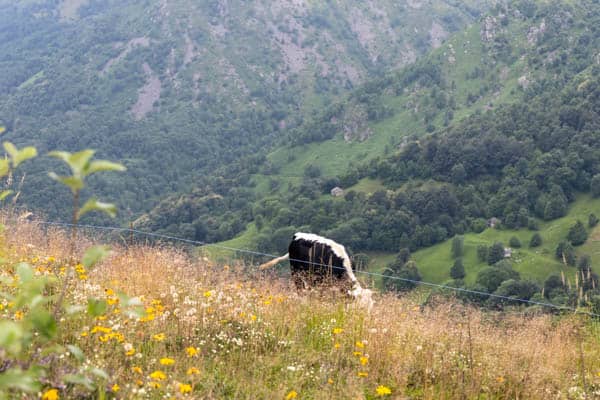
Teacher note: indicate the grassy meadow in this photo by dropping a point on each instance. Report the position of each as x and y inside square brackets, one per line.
[532, 263]
[213, 331]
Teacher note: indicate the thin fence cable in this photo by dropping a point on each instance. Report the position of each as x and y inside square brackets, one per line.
[373, 274]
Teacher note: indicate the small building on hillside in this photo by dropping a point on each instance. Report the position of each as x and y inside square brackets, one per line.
[493, 222]
[507, 252]
[337, 191]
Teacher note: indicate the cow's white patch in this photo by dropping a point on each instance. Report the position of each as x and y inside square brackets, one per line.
[337, 248]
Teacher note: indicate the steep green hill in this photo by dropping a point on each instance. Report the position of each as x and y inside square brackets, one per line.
[499, 121]
[180, 90]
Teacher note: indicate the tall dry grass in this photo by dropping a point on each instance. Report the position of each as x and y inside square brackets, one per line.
[226, 333]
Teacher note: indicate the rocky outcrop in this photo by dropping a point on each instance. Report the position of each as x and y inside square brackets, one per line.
[489, 28]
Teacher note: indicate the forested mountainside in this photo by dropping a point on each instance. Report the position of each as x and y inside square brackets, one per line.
[176, 89]
[501, 122]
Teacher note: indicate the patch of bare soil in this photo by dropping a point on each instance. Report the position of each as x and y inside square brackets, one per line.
[437, 34]
[147, 95]
[69, 9]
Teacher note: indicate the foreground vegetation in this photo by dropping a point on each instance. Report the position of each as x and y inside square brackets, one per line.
[214, 331]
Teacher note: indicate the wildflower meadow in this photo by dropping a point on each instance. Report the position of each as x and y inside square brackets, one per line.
[152, 322]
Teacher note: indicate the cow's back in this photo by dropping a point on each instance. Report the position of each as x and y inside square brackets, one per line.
[314, 258]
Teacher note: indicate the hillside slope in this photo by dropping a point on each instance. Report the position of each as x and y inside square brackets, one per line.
[177, 89]
[430, 150]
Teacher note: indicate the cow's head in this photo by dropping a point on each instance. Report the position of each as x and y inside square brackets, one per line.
[363, 297]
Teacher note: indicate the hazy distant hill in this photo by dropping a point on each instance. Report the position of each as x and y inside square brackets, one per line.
[178, 88]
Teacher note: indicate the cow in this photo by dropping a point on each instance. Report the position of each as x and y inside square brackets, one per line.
[314, 259]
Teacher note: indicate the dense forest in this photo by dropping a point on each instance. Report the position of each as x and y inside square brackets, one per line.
[180, 90]
[517, 161]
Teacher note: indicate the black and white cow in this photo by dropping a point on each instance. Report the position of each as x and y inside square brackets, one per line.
[314, 259]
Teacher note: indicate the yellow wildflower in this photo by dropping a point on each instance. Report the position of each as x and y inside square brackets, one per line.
[363, 374]
[154, 385]
[51, 394]
[112, 300]
[193, 371]
[207, 294]
[18, 315]
[159, 337]
[383, 390]
[330, 381]
[337, 345]
[337, 331]
[357, 353]
[148, 317]
[191, 351]
[185, 388]
[109, 292]
[364, 360]
[500, 379]
[291, 395]
[115, 388]
[102, 329]
[158, 375]
[167, 361]
[360, 345]
[130, 352]
[137, 370]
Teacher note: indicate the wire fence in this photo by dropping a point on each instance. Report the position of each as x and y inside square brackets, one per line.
[159, 236]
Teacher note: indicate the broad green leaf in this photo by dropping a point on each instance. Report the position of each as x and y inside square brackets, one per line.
[103, 165]
[17, 379]
[11, 150]
[79, 379]
[52, 349]
[18, 156]
[11, 335]
[79, 161]
[61, 155]
[95, 205]
[76, 352]
[38, 300]
[24, 154]
[4, 167]
[5, 194]
[73, 182]
[25, 272]
[94, 255]
[44, 323]
[96, 307]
